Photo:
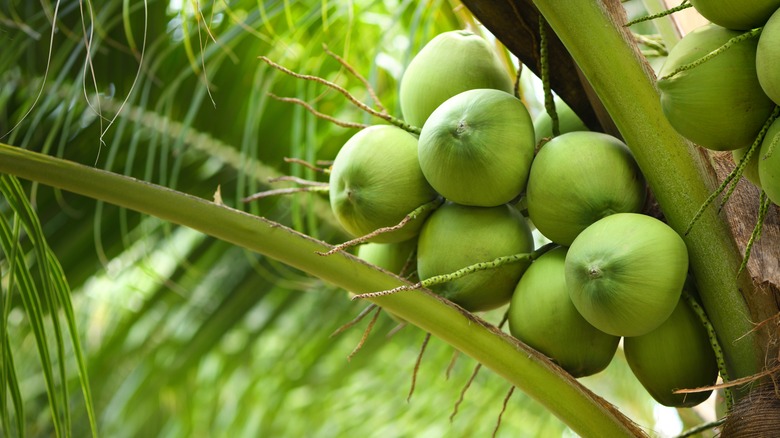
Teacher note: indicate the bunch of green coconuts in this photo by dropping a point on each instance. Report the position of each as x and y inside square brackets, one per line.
[612, 272]
[722, 102]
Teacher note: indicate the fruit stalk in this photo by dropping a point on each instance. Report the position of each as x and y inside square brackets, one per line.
[675, 170]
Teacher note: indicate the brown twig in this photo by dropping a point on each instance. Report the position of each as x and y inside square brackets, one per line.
[463, 391]
[352, 323]
[335, 121]
[287, 191]
[732, 383]
[346, 65]
[355, 101]
[306, 164]
[451, 366]
[362, 239]
[365, 334]
[503, 409]
[417, 366]
[295, 179]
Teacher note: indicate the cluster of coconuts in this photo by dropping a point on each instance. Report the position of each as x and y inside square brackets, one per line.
[614, 273]
[723, 102]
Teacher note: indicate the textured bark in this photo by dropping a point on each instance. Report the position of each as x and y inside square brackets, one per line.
[516, 22]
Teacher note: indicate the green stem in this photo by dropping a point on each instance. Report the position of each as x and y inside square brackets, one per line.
[675, 170]
[583, 411]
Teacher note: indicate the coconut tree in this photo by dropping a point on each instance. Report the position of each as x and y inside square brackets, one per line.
[183, 311]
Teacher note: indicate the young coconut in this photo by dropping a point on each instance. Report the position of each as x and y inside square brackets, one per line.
[376, 181]
[477, 147]
[718, 104]
[542, 315]
[768, 57]
[625, 273]
[578, 178]
[456, 236]
[736, 14]
[676, 355]
[769, 162]
[452, 62]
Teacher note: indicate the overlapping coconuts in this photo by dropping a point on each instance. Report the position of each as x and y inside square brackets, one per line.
[542, 315]
[721, 83]
[456, 236]
[614, 273]
[675, 355]
[451, 63]
[578, 178]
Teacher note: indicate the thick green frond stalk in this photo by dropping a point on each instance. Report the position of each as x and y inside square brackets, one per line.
[586, 413]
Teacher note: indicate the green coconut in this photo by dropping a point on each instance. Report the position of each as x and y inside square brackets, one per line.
[542, 315]
[676, 355]
[568, 121]
[456, 236]
[736, 14]
[376, 181]
[452, 62]
[768, 57]
[719, 104]
[625, 273]
[477, 147]
[769, 162]
[578, 178]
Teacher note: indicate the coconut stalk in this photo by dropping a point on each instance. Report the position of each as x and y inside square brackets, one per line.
[679, 174]
[585, 412]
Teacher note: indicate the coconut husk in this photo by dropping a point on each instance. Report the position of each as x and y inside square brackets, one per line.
[756, 415]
